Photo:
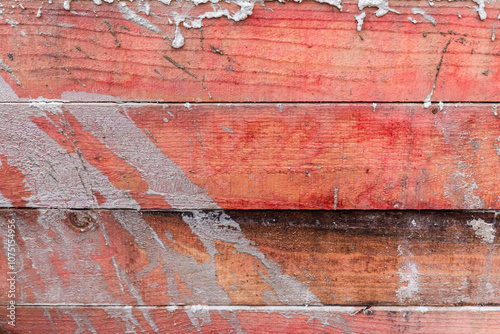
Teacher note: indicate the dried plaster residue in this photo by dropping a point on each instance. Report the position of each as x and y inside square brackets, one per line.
[191, 13]
[483, 230]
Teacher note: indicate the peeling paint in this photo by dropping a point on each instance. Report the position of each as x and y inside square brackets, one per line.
[179, 13]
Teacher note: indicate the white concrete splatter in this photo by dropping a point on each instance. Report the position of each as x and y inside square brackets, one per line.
[122, 137]
[409, 274]
[382, 5]
[133, 17]
[483, 230]
[213, 226]
[54, 176]
[420, 11]
[201, 278]
[39, 241]
[360, 18]
[180, 12]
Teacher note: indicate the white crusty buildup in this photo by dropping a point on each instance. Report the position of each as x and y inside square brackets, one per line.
[420, 11]
[179, 12]
[382, 5]
[360, 18]
[480, 9]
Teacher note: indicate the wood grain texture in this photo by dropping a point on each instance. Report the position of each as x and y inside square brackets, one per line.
[283, 52]
[205, 319]
[254, 257]
[249, 156]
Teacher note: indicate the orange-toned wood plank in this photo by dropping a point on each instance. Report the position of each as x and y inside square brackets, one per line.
[253, 257]
[250, 156]
[206, 319]
[283, 52]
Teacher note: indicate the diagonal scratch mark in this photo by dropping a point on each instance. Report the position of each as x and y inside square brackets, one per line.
[179, 66]
[110, 28]
[427, 101]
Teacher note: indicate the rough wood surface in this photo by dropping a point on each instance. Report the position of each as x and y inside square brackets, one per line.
[205, 319]
[247, 156]
[283, 52]
[255, 257]
[76, 132]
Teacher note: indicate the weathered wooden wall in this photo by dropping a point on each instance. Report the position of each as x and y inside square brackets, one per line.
[265, 177]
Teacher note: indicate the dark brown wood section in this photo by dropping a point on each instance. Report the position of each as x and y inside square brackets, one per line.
[125, 257]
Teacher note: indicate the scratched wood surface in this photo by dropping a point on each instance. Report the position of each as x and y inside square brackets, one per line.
[247, 156]
[348, 320]
[283, 52]
[125, 257]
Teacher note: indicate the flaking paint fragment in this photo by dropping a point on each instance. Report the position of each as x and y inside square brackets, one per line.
[133, 17]
[360, 18]
[480, 9]
[412, 20]
[420, 11]
[382, 5]
[180, 16]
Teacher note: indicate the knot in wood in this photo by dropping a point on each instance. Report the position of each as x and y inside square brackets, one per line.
[80, 220]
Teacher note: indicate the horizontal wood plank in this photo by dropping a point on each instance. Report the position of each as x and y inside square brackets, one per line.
[249, 156]
[253, 257]
[206, 319]
[283, 52]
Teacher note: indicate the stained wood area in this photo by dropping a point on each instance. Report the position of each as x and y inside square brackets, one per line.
[248, 156]
[262, 174]
[126, 257]
[283, 52]
[199, 319]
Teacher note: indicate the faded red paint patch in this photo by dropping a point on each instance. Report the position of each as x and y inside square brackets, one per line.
[57, 128]
[14, 188]
[100, 199]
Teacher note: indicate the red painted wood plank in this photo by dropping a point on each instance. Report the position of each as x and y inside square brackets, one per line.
[250, 156]
[253, 258]
[283, 52]
[206, 319]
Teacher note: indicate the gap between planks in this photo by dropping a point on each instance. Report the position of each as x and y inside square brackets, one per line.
[154, 102]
